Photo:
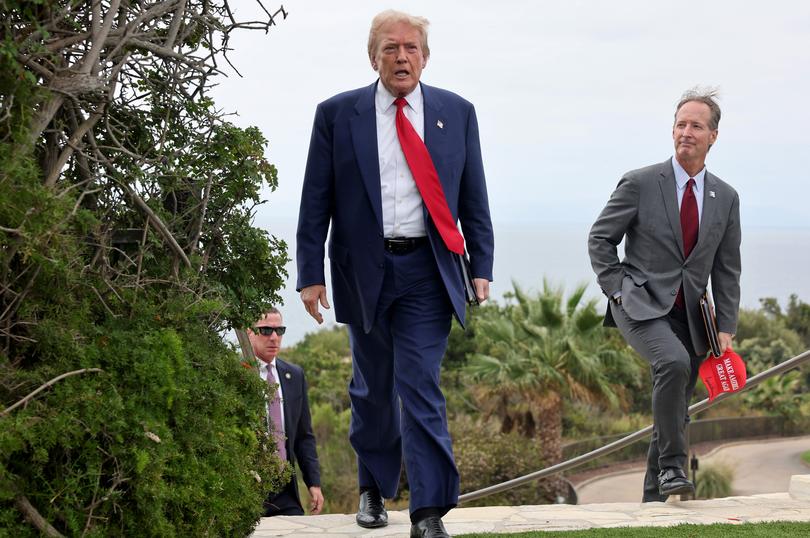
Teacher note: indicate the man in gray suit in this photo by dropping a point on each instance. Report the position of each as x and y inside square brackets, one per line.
[681, 225]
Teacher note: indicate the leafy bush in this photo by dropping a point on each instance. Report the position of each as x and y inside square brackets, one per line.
[714, 480]
[163, 441]
[486, 457]
[127, 247]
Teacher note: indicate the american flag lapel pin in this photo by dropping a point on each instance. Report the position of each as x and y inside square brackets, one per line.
[439, 124]
[711, 194]
[287, 375]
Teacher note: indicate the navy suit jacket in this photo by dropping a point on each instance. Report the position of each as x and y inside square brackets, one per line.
[298, 424]
[342, 187]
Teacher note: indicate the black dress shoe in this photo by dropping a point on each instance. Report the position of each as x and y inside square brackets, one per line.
[371, 513]
[672, 481]
[430, 527]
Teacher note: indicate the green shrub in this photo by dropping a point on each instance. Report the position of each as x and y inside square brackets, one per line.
[714, 480]
[486, 457]
[162, 442]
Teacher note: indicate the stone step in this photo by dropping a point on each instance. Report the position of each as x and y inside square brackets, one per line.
[788, 506]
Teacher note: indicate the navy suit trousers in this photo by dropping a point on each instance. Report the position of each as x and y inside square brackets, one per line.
[398, 409]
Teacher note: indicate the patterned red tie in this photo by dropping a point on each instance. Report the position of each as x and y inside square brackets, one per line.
[689, 227]
[274, 409]
[427, 180]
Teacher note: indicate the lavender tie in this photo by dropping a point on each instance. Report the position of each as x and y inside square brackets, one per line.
[275, 414]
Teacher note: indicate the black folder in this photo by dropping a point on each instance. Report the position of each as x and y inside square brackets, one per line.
[467, 279]
[710, 322]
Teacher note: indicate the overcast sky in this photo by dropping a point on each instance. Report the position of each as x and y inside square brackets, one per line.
[569, 95]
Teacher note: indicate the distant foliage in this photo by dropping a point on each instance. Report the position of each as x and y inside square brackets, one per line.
[327, 361]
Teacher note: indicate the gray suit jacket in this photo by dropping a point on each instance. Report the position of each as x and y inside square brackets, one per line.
[644, 211]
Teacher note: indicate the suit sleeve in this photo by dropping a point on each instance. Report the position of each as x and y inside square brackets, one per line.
[316, 204]
[726, 273]
[306, 453]
[608, 231]
[473, 205]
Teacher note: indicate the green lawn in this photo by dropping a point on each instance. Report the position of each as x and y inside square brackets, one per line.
[749, 530]
[806, 457]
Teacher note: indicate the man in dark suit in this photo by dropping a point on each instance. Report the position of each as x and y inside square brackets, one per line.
[681, 225]
[394, 280]
[288, 418]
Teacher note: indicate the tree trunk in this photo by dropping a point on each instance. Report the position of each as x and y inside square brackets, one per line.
[549, 435]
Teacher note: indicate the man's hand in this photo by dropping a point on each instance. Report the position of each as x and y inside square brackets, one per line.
[481, 289]
[315, 500]
[311, 296]
[724, 339]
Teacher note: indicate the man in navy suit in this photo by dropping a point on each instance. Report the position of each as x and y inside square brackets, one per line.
[394, 281]
[294, 429]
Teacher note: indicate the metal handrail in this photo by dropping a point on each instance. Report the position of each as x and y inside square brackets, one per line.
[752, 382]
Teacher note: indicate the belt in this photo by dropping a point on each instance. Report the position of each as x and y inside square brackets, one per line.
[404, 245]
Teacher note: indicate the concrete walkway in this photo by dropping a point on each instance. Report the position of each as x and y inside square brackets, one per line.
[790, 506]
[763, 466]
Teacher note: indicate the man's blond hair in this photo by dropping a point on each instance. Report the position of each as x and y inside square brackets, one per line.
[390, 16]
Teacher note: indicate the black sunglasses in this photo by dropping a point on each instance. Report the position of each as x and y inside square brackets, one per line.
[267, 331]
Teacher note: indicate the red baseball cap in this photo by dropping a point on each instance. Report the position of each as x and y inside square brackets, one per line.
[725, 373]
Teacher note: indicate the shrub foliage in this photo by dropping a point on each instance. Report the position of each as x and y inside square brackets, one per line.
[126, 248]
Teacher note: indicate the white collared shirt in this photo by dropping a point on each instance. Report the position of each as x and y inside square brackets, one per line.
[682, 178]
[263, 367]
[401, 202]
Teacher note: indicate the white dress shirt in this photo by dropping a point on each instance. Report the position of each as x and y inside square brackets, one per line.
[263, 367]
[401, 201]
[682, 178]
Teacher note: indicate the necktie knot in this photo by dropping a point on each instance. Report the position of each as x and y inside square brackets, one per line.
[400, 102]
[691, 183]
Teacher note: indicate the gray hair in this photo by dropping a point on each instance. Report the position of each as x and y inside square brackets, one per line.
[390, 16]
[706, 95]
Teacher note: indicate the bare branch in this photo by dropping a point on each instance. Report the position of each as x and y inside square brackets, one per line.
[33, 516]
[90, 62]
[45, 386]
[174, 28]
[71, 145]
[162, 229]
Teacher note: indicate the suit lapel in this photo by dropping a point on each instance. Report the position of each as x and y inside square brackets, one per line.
[709, 209]
[285, 380]
[435, 137]
[667, 183]
[363, 128]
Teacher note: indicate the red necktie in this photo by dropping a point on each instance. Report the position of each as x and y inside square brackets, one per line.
[689, 227]
[274, 409]
[427, 180]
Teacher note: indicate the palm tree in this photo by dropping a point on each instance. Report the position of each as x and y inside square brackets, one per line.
[537, 352]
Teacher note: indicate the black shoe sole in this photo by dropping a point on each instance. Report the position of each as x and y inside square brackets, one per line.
[679, 490]
[373, 524]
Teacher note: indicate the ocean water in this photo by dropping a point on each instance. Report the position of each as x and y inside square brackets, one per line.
[775, 263]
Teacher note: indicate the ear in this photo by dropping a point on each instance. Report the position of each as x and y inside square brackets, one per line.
[713, 137]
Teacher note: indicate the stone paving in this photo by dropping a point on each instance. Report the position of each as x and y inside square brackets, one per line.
[790, 506]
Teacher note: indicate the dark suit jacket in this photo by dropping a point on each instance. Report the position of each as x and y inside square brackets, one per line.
[342, 186]
[644, 211]
[298, 424]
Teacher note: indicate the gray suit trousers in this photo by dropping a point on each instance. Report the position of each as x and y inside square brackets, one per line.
[666, 344]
